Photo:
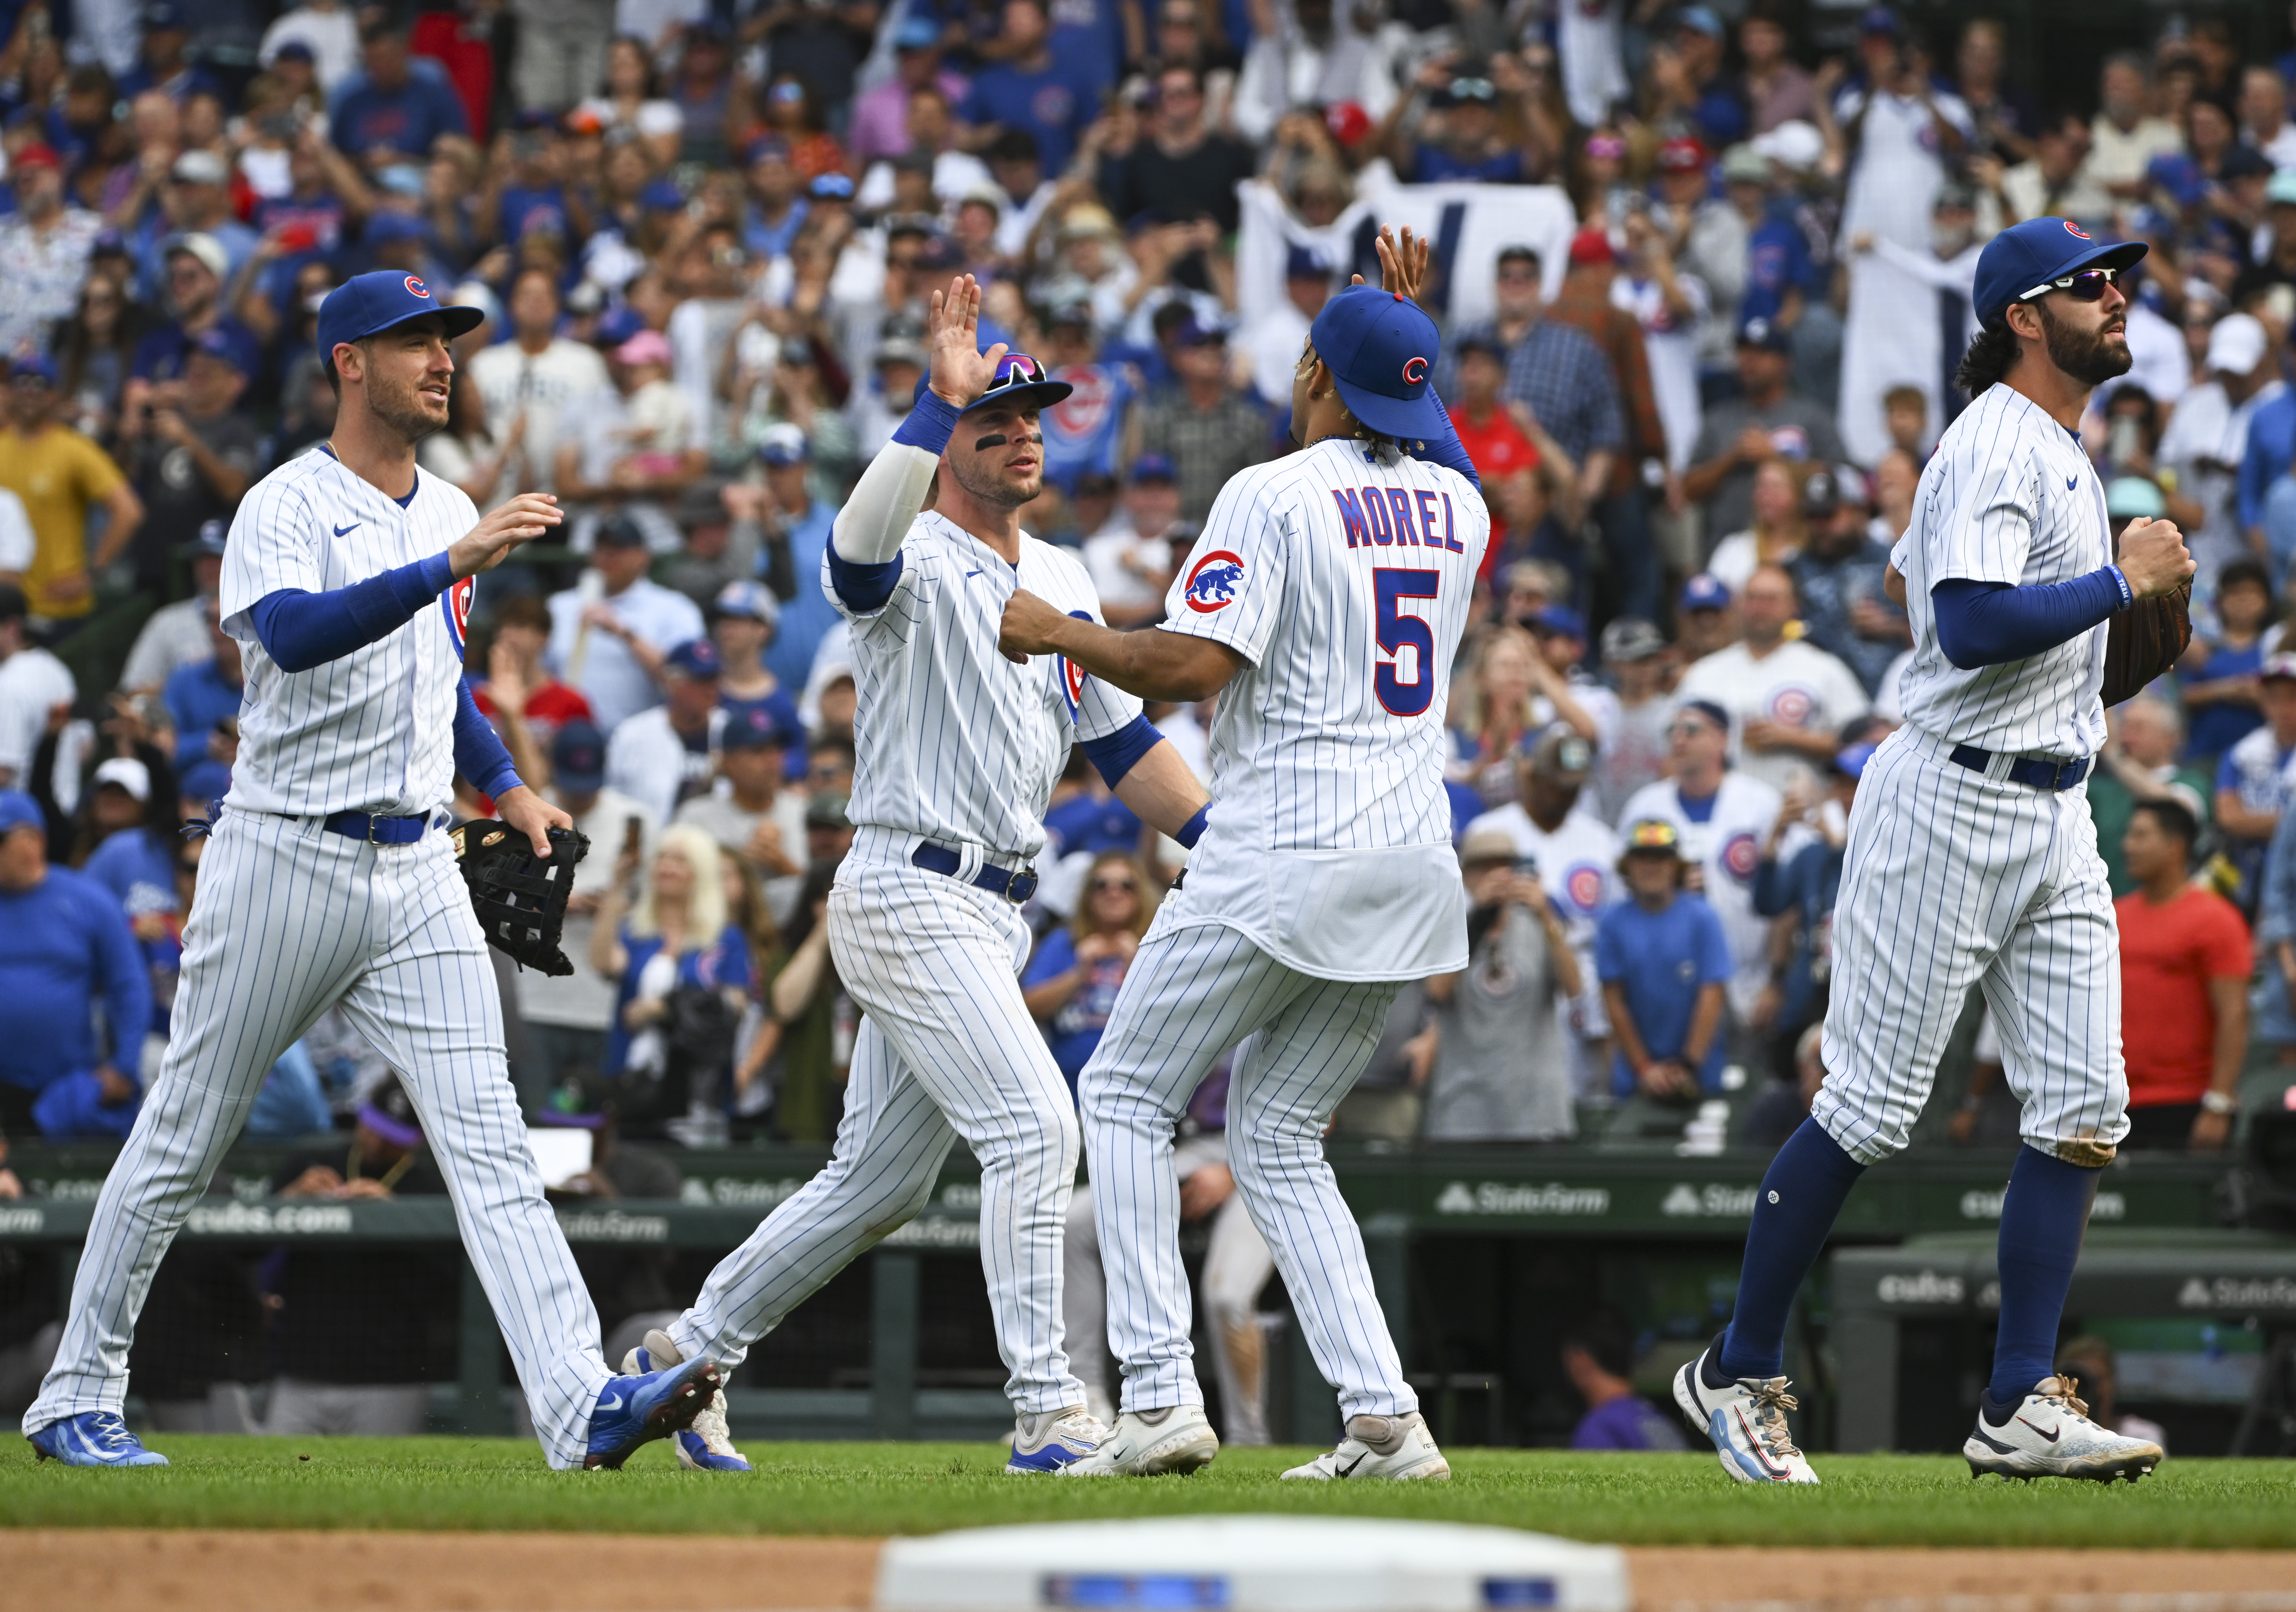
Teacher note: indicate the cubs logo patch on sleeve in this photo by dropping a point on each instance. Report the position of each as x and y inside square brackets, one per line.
[1213, 582]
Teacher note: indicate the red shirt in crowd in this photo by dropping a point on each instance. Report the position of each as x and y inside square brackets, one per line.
[2168, 954]
[1498, 447]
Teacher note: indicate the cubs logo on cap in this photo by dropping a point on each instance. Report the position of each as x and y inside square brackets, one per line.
[1213, 580]
[415, 287]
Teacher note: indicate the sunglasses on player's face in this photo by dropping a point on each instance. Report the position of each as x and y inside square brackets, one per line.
[2087, 286]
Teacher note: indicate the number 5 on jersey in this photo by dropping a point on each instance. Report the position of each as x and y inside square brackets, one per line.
[1400, 631]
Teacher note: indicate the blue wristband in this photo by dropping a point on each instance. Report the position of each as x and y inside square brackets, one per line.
[2121, 580]
[930, 421]
[1193, 830]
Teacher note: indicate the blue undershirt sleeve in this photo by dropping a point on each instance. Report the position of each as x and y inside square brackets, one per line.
[301, 631]
[479, 752]
[1993, 623]
[1116, 754]
[1447, 449]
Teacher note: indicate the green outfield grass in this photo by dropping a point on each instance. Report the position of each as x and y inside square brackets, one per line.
[877, 1489]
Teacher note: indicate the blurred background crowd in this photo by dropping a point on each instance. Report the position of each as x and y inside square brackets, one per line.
[1703, 272]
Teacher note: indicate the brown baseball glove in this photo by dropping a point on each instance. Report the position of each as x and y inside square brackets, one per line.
[2144, 640]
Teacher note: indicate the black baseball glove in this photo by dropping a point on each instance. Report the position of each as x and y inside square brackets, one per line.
[2145, 641]
[520, 897]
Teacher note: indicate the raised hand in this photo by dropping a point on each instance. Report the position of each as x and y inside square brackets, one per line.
[519, 520]
[961, 371]
[1402, 266]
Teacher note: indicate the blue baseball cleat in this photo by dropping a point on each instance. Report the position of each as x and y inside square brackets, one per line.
[631, 1410]
[92, 1438]
[706, 1446]
[1049, 1440]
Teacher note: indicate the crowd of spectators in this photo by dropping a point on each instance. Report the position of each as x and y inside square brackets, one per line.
[1703, 272]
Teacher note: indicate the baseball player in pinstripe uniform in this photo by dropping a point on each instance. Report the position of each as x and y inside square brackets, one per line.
[347, 582]
[1322, 604]
[958, 748]
[1972, 859]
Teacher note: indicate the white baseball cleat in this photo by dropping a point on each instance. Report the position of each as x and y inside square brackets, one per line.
[1395, 1447]
[1144, 1444]
[2051, 1436]
[1746, 1419]
[707, 1446]
[1047, 1441]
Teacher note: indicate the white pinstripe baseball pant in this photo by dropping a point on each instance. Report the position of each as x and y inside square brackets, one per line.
[289, 919]
[947, 1049]
[1955, 878]
[1195, 990]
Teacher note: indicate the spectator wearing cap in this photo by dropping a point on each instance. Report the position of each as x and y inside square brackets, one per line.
[742, 619]
[197, 201]
[44, 249]
[189, 450]
[2216, 679]
[1272, 342]
[1768, 420]
[1838, 578]
[568, 1017]
[2184, 966]
[1502, 1070]
[1204, 425]
[748, 811]
[64, 948]
[1084, 437]
[328, 32]
[1458, 137]
[537, 375]
[1130, 558]
[194, 271]
[1720, 817]
[635, 446]
[162, 66]
[358, 1338]
[1555, 832]
[142, 858]
[394, 115]
[1786, 698]
[33, 683]
[1709, 236]
[610, 632]
[878, 129]
[775, 209]
[1663, 963]
[1030, 88]
[1691, 82]
[176, 635]
[665, 753]
[1803, 852]
[61, 477]
[2252, 788]
[1179, 165]
[2213, 440]
[204, 698]
[1706, 616]
[787, 527]
[878, 406]
[1635, 753]
[1563, 690]
[1553, 369]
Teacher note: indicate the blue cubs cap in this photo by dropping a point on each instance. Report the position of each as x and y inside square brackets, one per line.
[235, 346]
[753, 728]
[2026, 259]
[209, 780]
[694, 658]
[1019, 379]
[1709, 709]
[617, 325]
[1560, 620]
[1767, 334]
[386, 225]
[1381, 348]
[35, 364]
[1151, 467]
[213, 539]
[18, 810]
[784, 443]
[1306, 263]
[577, 758]
[1705, 592]
[1850, 761]
[830, 187]
[743, 597]
[369, 304]
[917, 33]
[661, 196]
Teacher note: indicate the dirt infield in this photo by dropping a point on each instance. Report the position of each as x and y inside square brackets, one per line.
[133, 1570]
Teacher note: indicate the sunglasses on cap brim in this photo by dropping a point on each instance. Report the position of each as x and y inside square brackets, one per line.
[2087, 286]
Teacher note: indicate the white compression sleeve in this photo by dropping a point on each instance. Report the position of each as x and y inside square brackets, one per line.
[875, 519]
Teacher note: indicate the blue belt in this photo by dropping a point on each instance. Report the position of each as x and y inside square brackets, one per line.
[1015, 884]
[379, 830]
[2035, 772]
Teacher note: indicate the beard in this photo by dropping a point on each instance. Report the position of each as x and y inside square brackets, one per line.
[991, 487]
[400, 407]
[2088, 357]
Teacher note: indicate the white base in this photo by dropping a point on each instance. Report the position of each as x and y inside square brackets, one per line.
[1250, 1563]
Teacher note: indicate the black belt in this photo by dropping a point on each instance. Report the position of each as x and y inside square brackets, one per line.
[1015, 884]
[2035, 772]
[379, 830]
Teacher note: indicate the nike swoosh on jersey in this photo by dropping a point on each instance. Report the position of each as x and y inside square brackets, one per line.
[972, 573]
[354, 526]
[614, 1404]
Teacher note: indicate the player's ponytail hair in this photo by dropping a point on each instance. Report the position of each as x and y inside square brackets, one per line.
[1991, 354]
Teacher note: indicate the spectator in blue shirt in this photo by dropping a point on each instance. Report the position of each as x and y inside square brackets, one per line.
[1663, 961]
[64, 945]
[204, 695]
[2271, 447]
[1033, 89]
[1468, 143]
[1070, 984]
[677, 944]
[393, 118]
[795, 532]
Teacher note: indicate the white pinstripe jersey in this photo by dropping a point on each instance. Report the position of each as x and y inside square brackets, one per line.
[2009, 496]
[374, 730]
[1343, 575]
[954, 742]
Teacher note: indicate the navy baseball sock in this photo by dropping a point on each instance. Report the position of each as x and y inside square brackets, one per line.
[1801, 1194]
[2042, 1220]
